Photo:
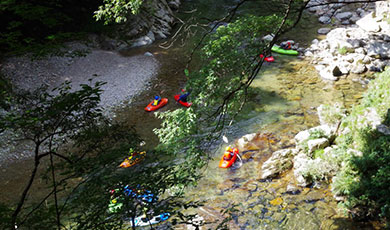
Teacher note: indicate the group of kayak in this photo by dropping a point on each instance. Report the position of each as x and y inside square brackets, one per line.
[136, 194]
[228, 159]
[159, 102]
[284, 48]
[232, 154]
[140, 195]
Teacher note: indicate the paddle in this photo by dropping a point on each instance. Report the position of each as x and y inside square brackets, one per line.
[225, 139]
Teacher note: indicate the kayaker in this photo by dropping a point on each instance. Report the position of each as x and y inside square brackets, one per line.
[285, 45]
[229, 153]
[156, 100]
[183, 97]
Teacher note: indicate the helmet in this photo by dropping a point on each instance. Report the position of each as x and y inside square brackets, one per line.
[156, 97]
[228, 149]
[183, 90]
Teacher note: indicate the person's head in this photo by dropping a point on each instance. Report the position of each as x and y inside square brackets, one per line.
[183, 90]
[156, 97]
[228, 149]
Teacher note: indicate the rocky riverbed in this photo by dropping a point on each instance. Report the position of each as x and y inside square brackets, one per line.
[359, 44]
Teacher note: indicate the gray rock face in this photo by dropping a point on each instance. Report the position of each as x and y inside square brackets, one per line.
[379, 48]
[358, 68]
[368, 23]
[343, 16]
[300, 163]
[143, 28]
[243, 141]
[336, 71]
[325, 20]
[279, 161]
[317, 144]
[323, 31]
[383, 129]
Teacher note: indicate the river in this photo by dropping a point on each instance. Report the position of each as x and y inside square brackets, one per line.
[287, 93]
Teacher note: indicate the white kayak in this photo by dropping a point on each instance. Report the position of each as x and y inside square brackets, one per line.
[144, 221]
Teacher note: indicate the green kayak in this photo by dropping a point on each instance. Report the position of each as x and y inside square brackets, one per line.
[277, 49]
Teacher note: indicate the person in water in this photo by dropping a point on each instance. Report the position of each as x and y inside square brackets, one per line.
[183, 97]
[229, 153]
[156, 100]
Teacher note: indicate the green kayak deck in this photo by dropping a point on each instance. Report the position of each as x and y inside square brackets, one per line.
[277, 49]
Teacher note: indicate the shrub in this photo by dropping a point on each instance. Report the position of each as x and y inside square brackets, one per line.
[365, 179]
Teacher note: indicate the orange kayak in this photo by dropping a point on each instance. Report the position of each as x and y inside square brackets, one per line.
[186, 104]
[135, 158]
[226, 163]
[152, 107]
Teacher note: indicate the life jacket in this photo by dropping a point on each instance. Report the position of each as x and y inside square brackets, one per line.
[155, 102]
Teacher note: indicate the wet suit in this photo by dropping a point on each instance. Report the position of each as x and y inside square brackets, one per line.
[183, 97]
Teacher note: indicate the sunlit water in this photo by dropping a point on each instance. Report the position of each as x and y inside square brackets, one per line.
[286, 94]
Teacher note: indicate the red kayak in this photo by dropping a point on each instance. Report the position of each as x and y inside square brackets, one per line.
[186, 104]
[268, 59]
[226, 163]
[152, 107]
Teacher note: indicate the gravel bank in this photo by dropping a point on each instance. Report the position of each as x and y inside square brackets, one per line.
[126, 76]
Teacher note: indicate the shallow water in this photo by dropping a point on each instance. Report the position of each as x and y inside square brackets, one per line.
[283, 102]
[288, 93]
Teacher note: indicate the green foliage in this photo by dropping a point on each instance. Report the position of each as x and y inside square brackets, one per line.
[318, 153]
[365, 179]
[42, 26]
[5, 213]
[344, 50]
[5, 93]
[117, 11]
[228, 56]
[331, 114]
[88, 149]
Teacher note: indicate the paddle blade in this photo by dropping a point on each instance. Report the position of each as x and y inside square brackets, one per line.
[224, 138]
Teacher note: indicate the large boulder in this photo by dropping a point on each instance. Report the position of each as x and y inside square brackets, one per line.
[359, 68]
[245, 141]
[369, 23]
[323, 30]
[326, 130]
[379, 49]
[343, 16]
[315, 144]
[301, 161]
[324, 19]
[280, 161]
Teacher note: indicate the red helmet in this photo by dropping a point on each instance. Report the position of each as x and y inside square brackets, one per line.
[183, 90]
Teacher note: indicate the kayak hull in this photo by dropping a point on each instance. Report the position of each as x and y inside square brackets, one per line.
[152, 107]
[144, 221]
[227, 163]
[278, 49]
[134, 159]
[185, 104]
[268, 59]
